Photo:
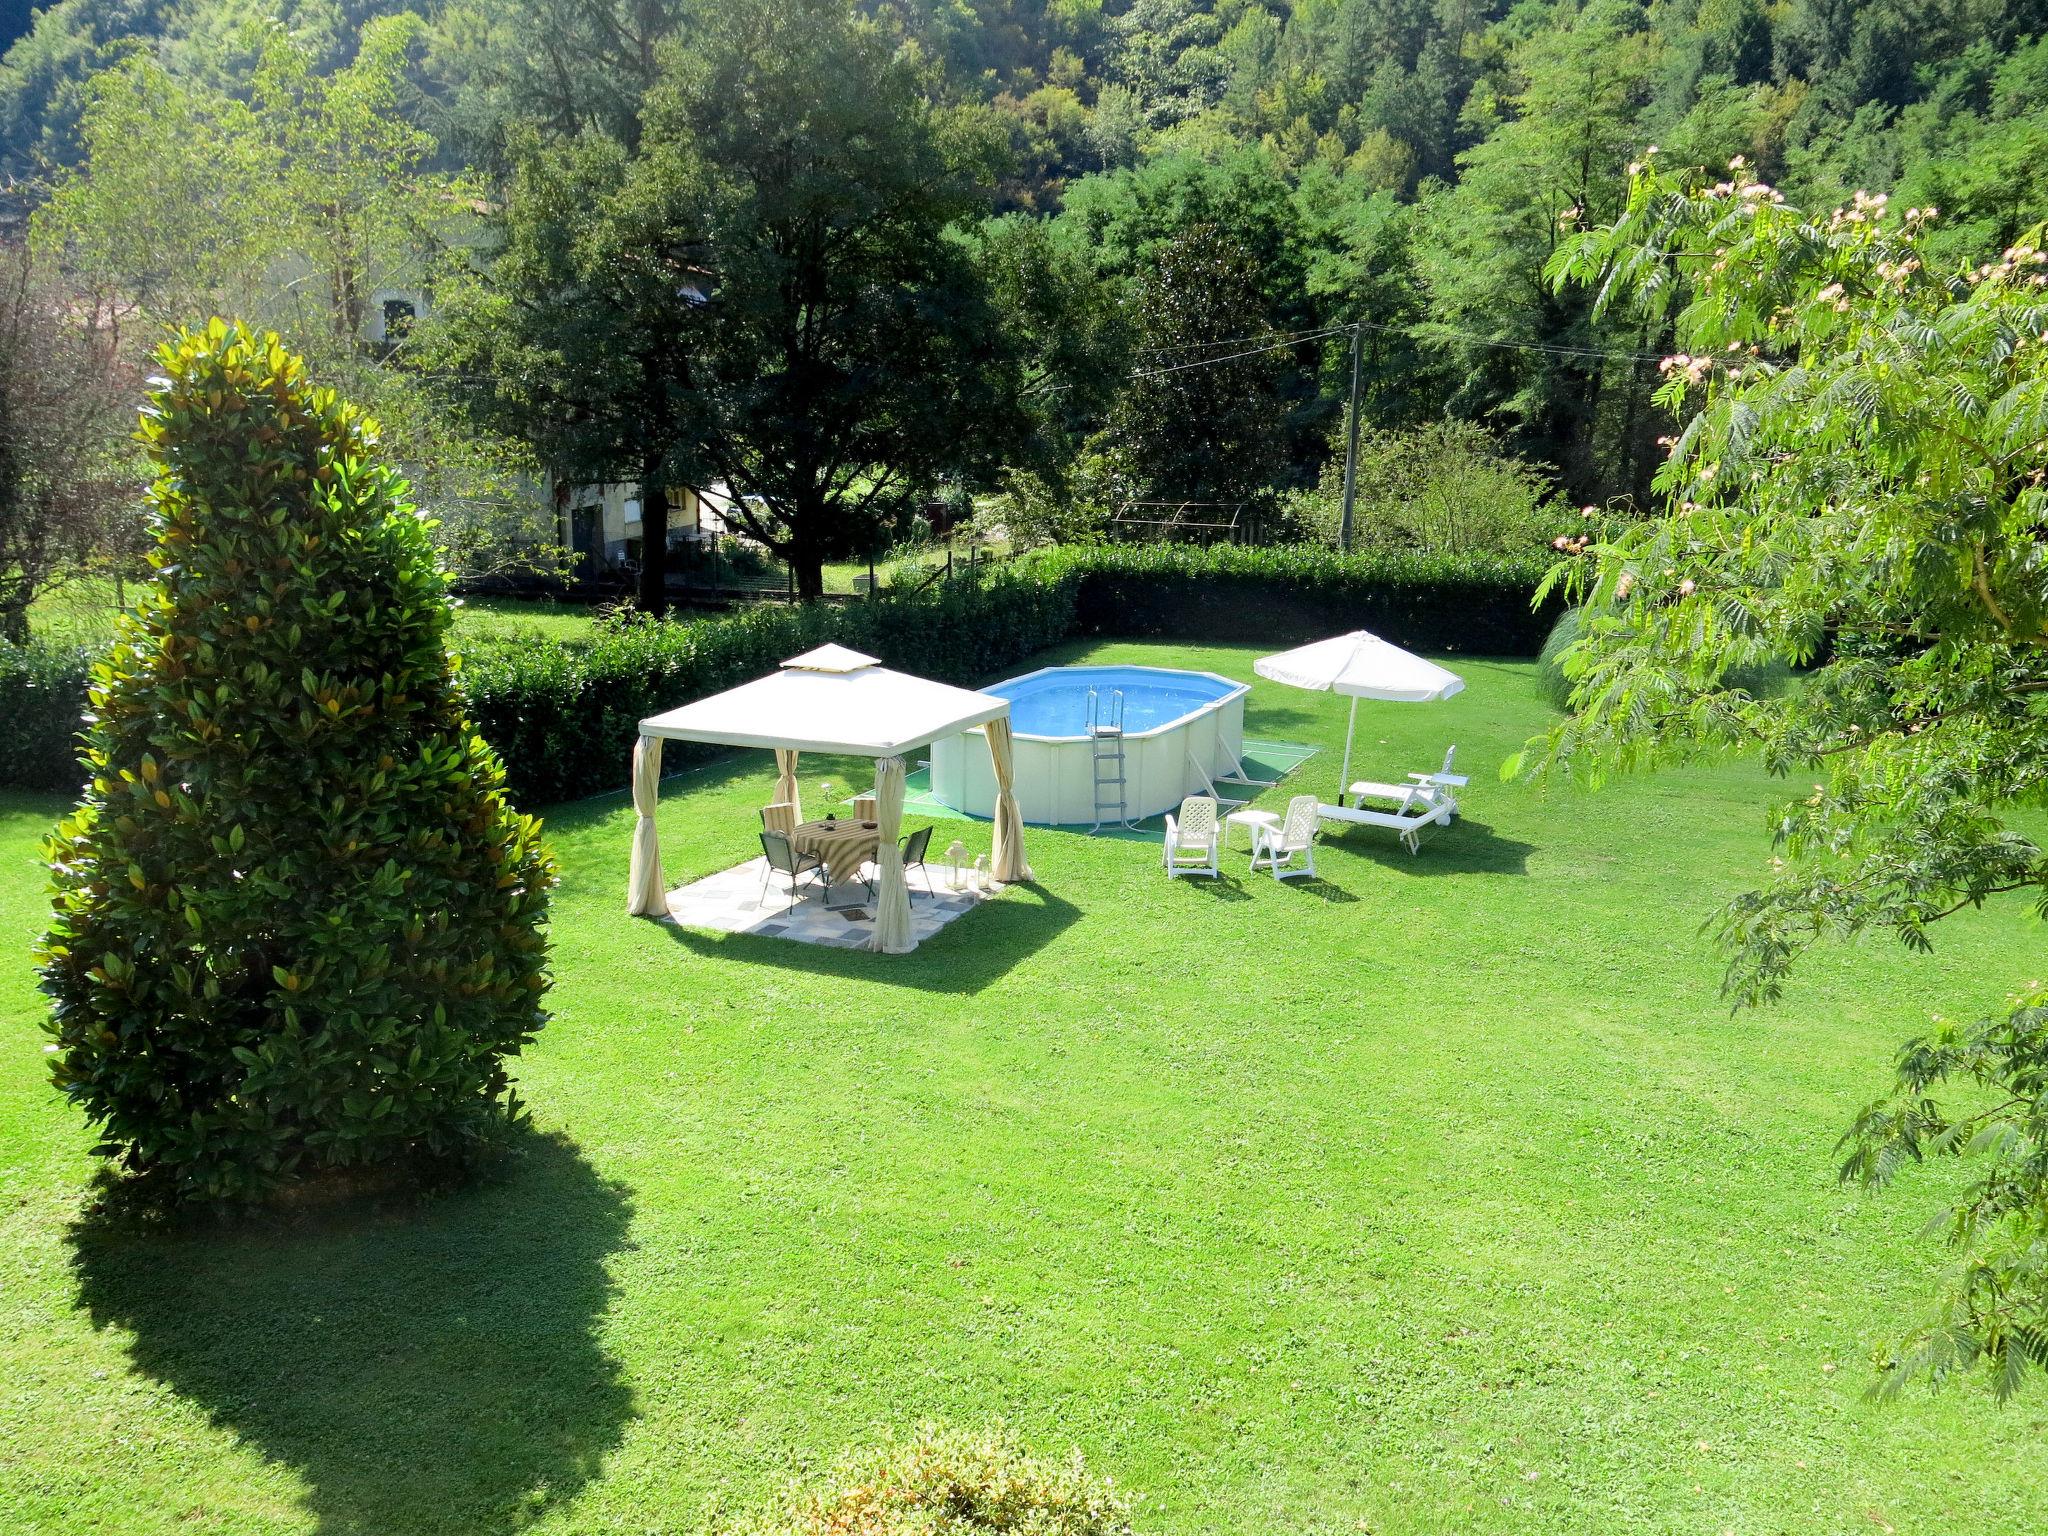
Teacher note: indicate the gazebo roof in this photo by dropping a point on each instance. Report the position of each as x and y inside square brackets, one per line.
[830, 700]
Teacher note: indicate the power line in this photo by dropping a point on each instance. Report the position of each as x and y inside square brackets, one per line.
[1210, 362]
[1557, 349]
[1547, 348]
[1231, 341]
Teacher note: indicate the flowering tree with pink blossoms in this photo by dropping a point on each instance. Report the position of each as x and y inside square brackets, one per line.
[1859, 486]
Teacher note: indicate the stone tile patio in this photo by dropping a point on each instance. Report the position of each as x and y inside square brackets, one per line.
[731, 901]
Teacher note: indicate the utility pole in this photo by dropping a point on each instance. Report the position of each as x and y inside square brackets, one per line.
[1351, 444]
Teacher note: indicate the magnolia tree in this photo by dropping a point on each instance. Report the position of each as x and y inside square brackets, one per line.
[298, 927]
[1858, 487]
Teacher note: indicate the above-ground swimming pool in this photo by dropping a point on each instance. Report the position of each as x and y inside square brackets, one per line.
[1180, 730]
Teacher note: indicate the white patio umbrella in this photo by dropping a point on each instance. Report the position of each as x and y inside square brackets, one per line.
[1365, 667]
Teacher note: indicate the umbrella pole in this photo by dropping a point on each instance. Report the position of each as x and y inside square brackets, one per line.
[1350, 730]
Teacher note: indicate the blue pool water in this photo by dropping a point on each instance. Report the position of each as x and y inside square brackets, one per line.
[1055, 702]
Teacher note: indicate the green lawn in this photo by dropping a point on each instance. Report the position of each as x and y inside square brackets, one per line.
[1439, 1196]
[84, 611]
[513, 617]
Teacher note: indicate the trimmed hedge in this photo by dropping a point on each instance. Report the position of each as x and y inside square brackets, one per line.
[563, 717]
[42, 708]
[1285, 594]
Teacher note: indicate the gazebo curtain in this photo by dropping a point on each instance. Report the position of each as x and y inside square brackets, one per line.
[786, 792]
[1006, 851]
[646, 890]
[892, 897]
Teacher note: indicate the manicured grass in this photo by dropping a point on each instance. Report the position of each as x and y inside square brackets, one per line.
[499, 618]
[84, 611]
[1440, 1195]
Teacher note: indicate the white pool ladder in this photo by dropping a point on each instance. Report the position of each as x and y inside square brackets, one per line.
[1106, 743]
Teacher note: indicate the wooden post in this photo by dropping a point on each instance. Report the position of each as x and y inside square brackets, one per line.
[1350, 447]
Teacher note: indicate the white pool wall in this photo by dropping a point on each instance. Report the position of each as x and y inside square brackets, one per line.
[1055, 775]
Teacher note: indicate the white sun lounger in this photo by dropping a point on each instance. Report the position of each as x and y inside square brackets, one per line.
[1421, 788]
[1408, 821]
[1402, 795]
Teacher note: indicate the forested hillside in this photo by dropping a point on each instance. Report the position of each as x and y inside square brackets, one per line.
[1402, 166]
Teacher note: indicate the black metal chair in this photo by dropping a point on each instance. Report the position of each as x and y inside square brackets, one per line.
[913, 858]
[781, 857]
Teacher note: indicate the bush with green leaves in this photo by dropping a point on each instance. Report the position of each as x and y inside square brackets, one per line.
[942, 1482]
[1448, 487]
[1281, 594]
[42, 699]
[564, 716]
[298, 927]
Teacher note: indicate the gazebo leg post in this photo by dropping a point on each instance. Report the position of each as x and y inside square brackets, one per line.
[646, 889]
[893, 932]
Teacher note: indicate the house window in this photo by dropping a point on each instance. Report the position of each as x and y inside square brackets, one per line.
[399, 315]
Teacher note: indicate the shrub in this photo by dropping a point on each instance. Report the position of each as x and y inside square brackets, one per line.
[297, 925]
[1033, 510]
[1446, 487]
[42, 699]
[1275, 595]
[947, 1483]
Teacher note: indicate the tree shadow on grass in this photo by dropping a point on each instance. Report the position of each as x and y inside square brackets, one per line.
[429, 1367]
[1465, 847]
[967, 954]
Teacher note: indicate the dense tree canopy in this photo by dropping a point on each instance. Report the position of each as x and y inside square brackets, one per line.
[293, 198]
[767, 292]
[855, 354]
[1407, 165]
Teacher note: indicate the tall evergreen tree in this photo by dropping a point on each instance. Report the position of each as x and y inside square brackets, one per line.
[1200, 420]
[298, 927]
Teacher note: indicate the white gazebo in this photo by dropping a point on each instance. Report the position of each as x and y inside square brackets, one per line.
[837, 701]
[1362, 666]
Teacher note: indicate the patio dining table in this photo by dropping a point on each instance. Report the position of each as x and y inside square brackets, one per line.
[842, 846]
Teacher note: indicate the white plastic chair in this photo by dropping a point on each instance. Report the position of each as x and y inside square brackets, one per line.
[1289, 849]
[1193, 838]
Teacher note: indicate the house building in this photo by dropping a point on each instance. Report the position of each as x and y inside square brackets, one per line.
[602, 527]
